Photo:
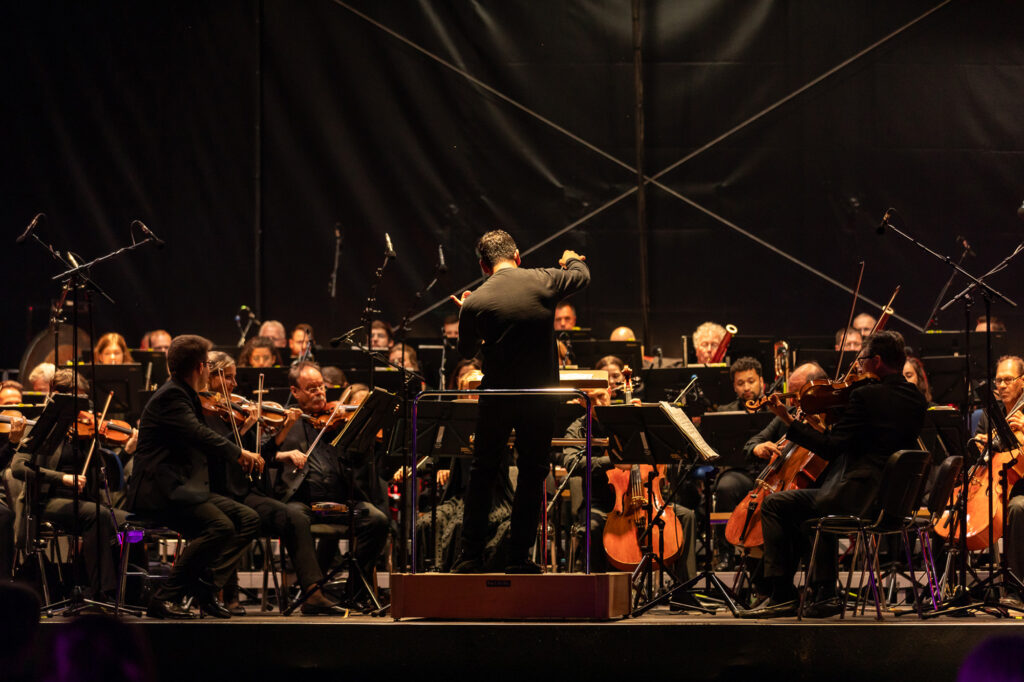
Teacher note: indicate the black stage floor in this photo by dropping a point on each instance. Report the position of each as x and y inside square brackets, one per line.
[661, 644]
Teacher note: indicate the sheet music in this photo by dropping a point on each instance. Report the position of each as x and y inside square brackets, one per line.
[688, 430]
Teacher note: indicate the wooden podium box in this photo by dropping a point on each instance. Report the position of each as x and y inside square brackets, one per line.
[497, 596]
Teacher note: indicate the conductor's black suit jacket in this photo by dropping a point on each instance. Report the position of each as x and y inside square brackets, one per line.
[174, 443]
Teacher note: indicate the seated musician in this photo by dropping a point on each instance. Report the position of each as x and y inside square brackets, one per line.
[879, 419]
[171, 482]
[985, 323]
[613, 365]
[404, 356]
[300, 343]
[565, 316]
[462, 368]
[290, 521]
[1008, 389]
[450, 328]
[381, 336]
[10, 392]
[914, 372]
[329, 476]
[274, 330]
[60, 475]
[865, 324]
[259, 351]
[732, 485]
[334, 376]
[111, 349]
[706, 339]
[854, 339]
[40, 377]
[158, 340]
[602, 496]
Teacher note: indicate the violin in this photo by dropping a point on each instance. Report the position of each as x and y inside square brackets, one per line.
[214, 404]
[820, 396]
[113, 431]
[7, 418]
[332, 417]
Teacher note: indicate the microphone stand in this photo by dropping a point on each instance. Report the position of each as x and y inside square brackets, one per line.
[988, 293]
[933, 317]
[398, 433]
[332, 282]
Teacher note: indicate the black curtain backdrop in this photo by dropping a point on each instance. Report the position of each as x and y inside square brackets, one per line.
[209, 121]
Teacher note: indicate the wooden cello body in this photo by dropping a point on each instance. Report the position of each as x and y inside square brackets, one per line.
[797, 467]
[978, 493]
[628, 519]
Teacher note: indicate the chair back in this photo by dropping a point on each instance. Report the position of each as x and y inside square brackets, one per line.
[945, 481]
[901, 484]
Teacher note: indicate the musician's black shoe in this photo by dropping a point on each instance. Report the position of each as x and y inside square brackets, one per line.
[168, 610]
[210, 606]
[234, 608]
[823, 609]
[468, 564]
[770, 608]
[524, 566]
[319, 605]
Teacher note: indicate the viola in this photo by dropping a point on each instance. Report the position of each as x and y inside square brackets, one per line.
[113, 431]
[628, 520]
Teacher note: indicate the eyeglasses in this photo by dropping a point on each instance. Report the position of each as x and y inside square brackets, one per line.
[865, 358]
[318, 388]
[1003, 380]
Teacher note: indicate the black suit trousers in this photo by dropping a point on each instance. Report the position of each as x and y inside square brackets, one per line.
[533, 420]
[290, 522]
[219, 531]
[97, 552]
[782, 518]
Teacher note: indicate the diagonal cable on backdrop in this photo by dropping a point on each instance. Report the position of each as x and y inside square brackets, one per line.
[654, 178]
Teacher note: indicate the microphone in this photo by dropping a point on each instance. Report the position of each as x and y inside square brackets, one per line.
[1020, 211]
[681, 398]
[248, 314]
[389, 251]
[441, 265]
[338, 340]
[72, 260]
[966, 245]
[658, 353]
[149, 233]
[885, 222]
[31, 226]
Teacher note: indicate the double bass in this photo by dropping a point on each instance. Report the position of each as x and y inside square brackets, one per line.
[627, 521]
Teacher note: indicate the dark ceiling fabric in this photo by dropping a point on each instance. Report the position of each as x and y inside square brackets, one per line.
[137, 110]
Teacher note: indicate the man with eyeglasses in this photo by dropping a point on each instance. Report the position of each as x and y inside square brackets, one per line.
[880, 419]
[328, 475]
[1008, 386]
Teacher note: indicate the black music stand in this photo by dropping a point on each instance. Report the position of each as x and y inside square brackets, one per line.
[126, 382]
[359, 436]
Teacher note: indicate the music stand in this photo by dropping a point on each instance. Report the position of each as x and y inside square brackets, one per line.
[728, 432]
[127, 383]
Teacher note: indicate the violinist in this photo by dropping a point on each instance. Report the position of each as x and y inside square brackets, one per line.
[10, 392]
[880, 419]
[171, 482]
[259, 351]
[327, 475]
[61, 474]
[602, 496]
[41, 376]
[287, 521]
[914, 372]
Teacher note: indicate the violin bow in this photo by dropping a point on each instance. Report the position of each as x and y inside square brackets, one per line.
[846, 330]
[887, 312]
[96, 432]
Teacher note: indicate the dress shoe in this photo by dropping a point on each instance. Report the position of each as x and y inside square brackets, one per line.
[168, 610]
[772, 609]
[234, 608]
[210, 606]
[360, 603]
[825, 608]
[319, 605]
[524, 567]
[468, 564]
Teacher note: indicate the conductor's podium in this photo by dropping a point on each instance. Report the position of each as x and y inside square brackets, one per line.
[497, 596]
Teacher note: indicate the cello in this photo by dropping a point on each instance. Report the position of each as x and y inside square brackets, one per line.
[796, 467]
[628, 520]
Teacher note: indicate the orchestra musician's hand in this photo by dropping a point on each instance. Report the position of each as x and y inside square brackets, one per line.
[17, 429]
[133, 442]
[297, 458]
[778, 408]
[294, 415]
[1016, 422]
[568, 255]
[250, 420]
[460, 301]
[69, 481]
[443, 475]
[250, 462]
[766, 450]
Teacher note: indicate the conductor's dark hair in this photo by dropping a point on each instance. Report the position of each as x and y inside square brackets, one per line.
[744, 365]
[889, 347]
[186, 353]
[494, 247]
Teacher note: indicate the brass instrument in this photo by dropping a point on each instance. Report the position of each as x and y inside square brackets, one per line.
[723, 345]
[780, 353]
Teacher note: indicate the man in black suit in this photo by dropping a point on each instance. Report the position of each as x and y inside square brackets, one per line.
[510, 319]
[880, 419]
[171, 483]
